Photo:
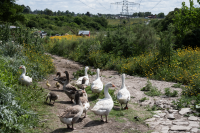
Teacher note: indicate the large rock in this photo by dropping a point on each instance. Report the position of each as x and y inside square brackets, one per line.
[180, 122]
[193, 118]
[170, 116]
[194, 124]
[167, 122]
[184, 111]
[195, 130]
[180, 128]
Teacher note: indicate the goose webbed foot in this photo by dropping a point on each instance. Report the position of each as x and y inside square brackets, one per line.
[106, 119]
[73, 127]
[68, 126]
[101, 119]
[126, 107]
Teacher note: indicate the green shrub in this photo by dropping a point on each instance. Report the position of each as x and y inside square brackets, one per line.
[143, 99]
[178, 85]
[148, 86]
[153, 92]
[169, 93]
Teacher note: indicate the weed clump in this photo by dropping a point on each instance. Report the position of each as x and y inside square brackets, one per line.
[169, 93]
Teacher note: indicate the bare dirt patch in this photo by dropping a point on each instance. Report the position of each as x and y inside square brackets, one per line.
[92, 123]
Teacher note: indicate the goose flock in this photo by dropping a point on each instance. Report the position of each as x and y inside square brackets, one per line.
[78, 95]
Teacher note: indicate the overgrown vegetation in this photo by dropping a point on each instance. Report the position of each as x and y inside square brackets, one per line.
[17, 101]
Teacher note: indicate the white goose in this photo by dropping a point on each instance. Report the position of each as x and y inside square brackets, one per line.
[123, 95]
[79, 81]
[97, 85]
[23, 79]
[104, 106]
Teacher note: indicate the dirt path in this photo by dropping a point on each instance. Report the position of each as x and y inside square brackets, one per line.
[92, 124]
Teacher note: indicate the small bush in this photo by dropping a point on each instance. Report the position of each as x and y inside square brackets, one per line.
[169, 93]
[153, 92]
[143, 99]
[178, 85]
[148, 86]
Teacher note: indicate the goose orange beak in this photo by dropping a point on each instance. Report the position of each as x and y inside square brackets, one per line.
[113, 85]
[20, 67]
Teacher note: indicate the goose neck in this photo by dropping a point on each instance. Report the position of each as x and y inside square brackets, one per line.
[106, 94]
[24, 71]
[123, 81]
[97, 73]
[86, 72]
[67, 79]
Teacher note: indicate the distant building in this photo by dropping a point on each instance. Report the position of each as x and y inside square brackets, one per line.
[152, 16]
[84, 32]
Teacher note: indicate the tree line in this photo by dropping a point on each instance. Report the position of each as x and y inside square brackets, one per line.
[146, 14]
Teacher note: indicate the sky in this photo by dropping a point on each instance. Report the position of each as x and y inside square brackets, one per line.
[105, 6]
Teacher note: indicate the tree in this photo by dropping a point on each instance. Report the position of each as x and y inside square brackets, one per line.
[146, 14]
[187, 22]
[78, 20]
[161, 15]
[10, 12]
[67, 12]
[141, 14]
[88, 14]
[48, 12]
[27, 9]
[135, 14]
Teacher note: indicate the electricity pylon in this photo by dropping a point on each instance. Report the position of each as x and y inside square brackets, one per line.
[125, 4]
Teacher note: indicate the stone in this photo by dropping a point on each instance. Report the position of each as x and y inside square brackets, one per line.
[193, 118]
[194, 124]
[180, 128]
[180, 122]
[156, 116]
[172, 111]
[167, 122]
[184, 111]
[157, 112]
[171, 116]
[195, 130]
[150, 120]
[165, 128]
[153, 124]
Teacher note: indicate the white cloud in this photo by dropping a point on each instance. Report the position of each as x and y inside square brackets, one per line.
[104, 6]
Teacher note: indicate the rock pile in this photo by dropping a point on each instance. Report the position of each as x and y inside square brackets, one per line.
[173, 121]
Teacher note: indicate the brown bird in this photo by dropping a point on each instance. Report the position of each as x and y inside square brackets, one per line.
[70, 89]
[60, 79]
[72, 114]
[51, 96]
[82, 86]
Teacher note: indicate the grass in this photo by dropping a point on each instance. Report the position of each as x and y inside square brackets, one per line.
[116, 113]
[143, 99]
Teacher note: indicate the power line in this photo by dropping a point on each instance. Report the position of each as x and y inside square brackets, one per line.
[102, 5]
[85, 4]
[156, 5]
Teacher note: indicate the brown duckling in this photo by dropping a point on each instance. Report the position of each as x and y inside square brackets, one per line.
[51, 96]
